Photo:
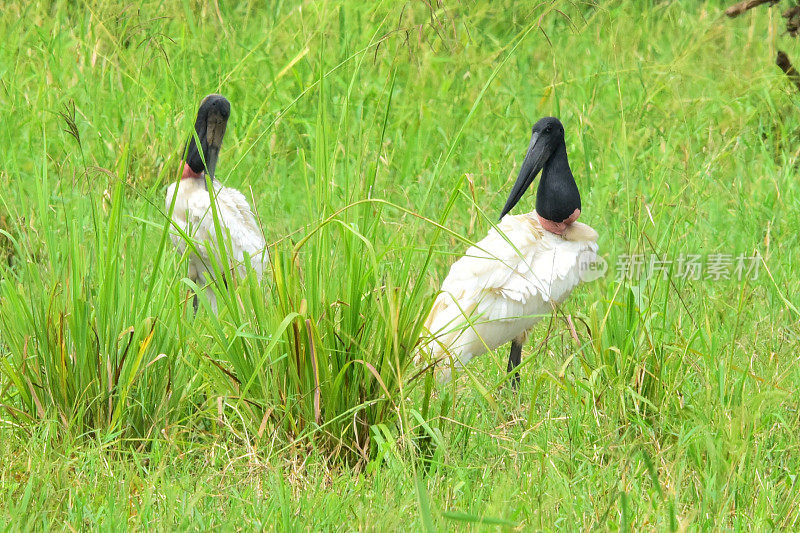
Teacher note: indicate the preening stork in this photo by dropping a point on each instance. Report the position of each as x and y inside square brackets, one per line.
[518, 273]
[192, 213]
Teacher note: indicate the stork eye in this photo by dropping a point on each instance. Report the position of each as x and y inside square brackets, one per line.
[548, 129]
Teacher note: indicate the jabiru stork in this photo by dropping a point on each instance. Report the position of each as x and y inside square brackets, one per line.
[521, 270]
[192, 212]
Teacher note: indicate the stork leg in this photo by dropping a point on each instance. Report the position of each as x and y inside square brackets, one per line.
[514, 359]
[195, 277]
[204, 285]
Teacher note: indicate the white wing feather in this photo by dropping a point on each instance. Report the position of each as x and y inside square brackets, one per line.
[503, 285]
[240, 231]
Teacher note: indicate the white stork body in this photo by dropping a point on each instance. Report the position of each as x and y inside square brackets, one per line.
[504, 285]
[192, 213]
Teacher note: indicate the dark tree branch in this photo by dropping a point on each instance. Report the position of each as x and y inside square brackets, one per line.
[737, 9]
[792, 16]
[787, 67]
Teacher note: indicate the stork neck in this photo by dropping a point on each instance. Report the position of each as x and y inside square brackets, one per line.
[557, 167]
[558, 197]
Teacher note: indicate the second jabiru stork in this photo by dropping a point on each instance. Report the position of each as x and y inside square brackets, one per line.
[192, 211]
[521, 270]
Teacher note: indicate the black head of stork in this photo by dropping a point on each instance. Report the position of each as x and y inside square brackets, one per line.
[557, 198]
[212, 119]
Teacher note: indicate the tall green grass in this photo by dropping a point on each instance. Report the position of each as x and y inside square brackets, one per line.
[93, 339]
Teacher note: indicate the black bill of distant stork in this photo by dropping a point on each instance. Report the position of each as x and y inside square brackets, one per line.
[192, 211]
[210, 124]
[521, 270]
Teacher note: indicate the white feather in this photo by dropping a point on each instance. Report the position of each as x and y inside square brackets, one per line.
[243, 239]
[503, 285]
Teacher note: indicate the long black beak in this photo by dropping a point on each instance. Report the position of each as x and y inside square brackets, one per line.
[531, 166]
[215, 131]
[212, 119]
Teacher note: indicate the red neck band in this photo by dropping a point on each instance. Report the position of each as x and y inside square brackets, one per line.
[189, 173]
[558, 227]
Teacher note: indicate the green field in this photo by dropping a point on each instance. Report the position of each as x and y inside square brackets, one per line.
[376, 140]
